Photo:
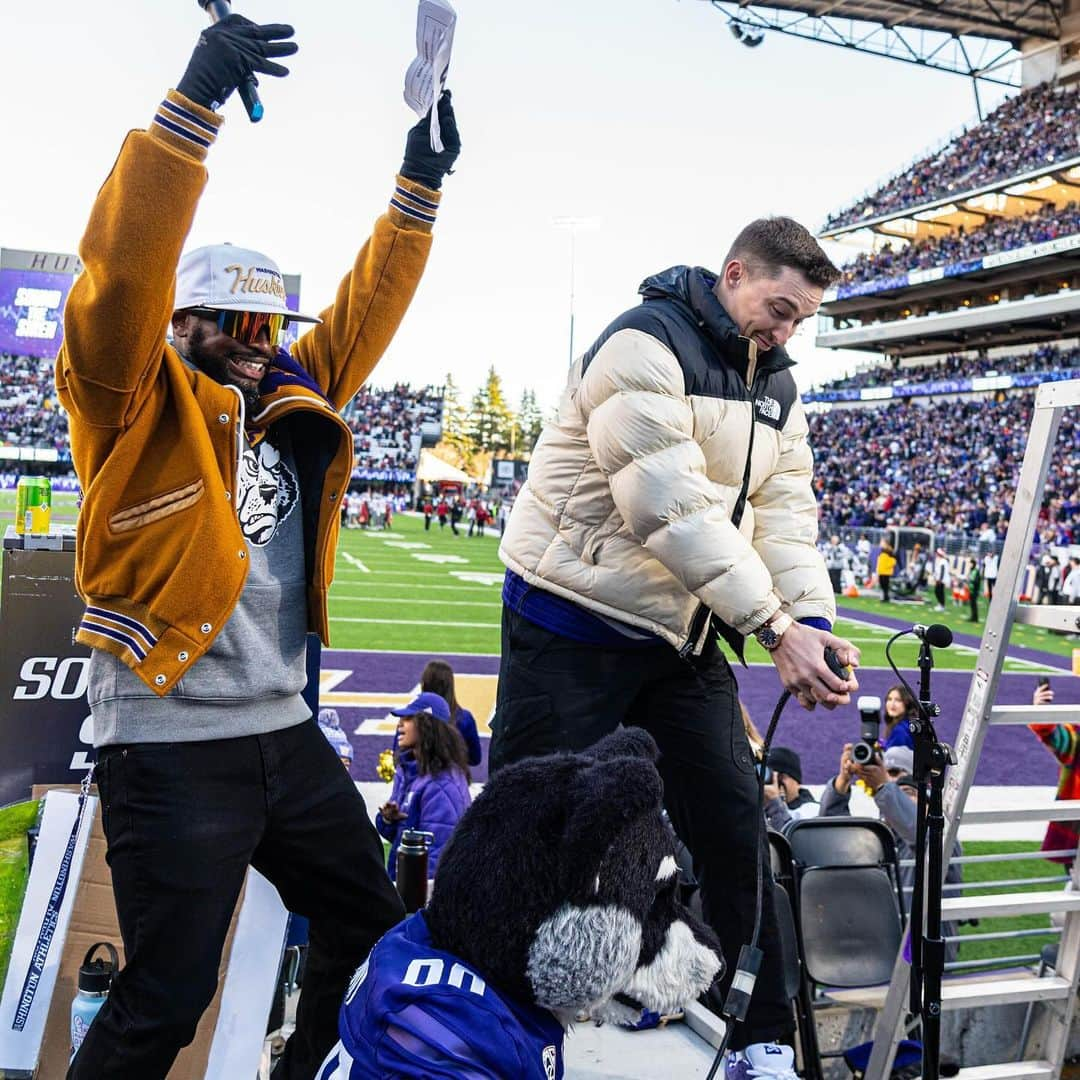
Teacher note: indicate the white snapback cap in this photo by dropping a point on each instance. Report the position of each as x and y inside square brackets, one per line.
[229, 278]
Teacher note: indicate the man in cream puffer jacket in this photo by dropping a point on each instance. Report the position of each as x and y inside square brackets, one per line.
[671, 502]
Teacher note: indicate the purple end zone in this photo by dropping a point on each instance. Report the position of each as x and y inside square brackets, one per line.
[1011, 755]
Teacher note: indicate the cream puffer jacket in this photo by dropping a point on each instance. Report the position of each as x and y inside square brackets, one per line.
[676, 479]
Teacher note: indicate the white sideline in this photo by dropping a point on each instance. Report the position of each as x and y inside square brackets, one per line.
[987, 797]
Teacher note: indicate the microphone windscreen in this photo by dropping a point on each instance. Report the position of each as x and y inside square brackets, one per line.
[938, 636]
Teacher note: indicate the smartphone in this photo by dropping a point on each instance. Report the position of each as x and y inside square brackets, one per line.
[1044, 683]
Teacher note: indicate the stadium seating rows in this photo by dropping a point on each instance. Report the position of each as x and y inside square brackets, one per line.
[950, 465]
[1030, 130]
[959, 366]
[998, 234]
[386, 423]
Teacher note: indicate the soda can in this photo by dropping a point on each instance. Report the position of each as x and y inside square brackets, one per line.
[33, 504]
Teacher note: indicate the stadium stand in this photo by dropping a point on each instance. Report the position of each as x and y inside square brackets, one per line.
[1033, 129]
[998, 234]
[906, 378]
[951, 466]
[388, 425]
[29, 412]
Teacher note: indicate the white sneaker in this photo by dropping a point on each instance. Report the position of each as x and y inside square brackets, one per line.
[761, 1060]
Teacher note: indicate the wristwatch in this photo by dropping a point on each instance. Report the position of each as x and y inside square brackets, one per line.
[769, 635]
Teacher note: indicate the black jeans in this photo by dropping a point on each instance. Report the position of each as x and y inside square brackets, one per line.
[183, 821]
[557, 694]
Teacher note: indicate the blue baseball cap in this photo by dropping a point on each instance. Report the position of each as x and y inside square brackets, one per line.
[426, 702]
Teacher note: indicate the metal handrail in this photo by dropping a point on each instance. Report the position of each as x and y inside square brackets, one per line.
[957, 886]
[1001, 935]
[1008, 856]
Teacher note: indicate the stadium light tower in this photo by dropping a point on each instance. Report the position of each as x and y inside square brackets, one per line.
[572, 225]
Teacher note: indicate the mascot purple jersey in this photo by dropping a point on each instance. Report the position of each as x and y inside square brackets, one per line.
[413, 1010]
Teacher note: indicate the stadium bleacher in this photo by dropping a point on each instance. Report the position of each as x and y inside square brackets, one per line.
[1045, 358]
[386, 423]
[998, 234]
[951, 466]
[1033, 129]
[387, 426]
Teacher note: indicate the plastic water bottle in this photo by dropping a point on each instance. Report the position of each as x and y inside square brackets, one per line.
[95, 977]
[412, 863]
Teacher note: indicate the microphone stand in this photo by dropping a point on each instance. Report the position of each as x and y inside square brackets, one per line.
[927, 945]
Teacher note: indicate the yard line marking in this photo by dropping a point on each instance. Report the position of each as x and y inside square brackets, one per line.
[969, 650]
[440, 558]
[356, 562]
[423, 588]
[410, 574]
[354, 598]
[479, 576]
[415, 622]
[405, 545]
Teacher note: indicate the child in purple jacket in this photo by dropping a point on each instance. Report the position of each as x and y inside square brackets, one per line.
[431, 783]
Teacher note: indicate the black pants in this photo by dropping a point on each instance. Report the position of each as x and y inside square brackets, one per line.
[884, 580]
[183, 821]
[939, 593]
[836, 579]
[557, 694]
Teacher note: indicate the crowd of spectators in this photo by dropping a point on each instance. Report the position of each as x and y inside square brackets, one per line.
[958, 366]
[1034, 128]
[386, 424]
[30, 414]
[997, 234]
[951, 466]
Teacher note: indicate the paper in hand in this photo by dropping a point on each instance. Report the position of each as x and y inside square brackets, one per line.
[435, 21]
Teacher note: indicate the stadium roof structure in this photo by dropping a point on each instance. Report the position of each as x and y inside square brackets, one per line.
[980, 39]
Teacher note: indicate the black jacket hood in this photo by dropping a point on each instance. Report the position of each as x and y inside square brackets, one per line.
[692, 287]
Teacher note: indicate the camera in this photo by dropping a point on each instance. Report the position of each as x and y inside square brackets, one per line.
[865, 750]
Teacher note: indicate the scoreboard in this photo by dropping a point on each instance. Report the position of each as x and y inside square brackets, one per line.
[33, 289]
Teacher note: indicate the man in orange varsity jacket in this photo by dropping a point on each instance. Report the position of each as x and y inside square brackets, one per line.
[213, 471]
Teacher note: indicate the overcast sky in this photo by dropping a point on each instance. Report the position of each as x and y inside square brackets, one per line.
[646, 115]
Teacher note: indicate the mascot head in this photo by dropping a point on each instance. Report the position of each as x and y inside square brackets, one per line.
[560, 887]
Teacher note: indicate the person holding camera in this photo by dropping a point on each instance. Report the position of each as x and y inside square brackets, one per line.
[786, 800]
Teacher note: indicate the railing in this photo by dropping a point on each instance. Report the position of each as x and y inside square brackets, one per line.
[990, 962]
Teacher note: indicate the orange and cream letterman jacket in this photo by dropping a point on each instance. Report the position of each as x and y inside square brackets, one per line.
[157, 445]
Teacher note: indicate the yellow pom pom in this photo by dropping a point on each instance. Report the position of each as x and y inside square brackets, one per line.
[385, 768]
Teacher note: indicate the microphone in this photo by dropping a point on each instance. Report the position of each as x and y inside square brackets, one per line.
[937, 635]
[249, 95]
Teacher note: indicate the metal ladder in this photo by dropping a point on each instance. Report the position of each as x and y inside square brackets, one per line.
[1046, 1046]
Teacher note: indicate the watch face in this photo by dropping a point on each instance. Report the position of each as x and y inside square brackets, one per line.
[767, 637]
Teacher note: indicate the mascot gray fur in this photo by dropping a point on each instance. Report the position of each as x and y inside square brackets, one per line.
[556, 895]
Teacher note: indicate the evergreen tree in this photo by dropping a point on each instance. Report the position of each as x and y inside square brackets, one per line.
[490, 420]
[530, 422]
[455, 417]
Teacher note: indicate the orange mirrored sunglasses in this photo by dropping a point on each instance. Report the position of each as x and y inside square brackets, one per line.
[246, 326]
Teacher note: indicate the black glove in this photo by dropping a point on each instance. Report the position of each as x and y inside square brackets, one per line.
[227, 53]
[423, 164]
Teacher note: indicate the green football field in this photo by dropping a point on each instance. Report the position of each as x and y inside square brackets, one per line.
[410, 590]
[407, 589]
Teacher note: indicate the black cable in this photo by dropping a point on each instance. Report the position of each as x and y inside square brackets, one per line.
[750, 955]
[888, 656]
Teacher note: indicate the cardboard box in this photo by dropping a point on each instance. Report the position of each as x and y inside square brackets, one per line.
[226, 1045]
